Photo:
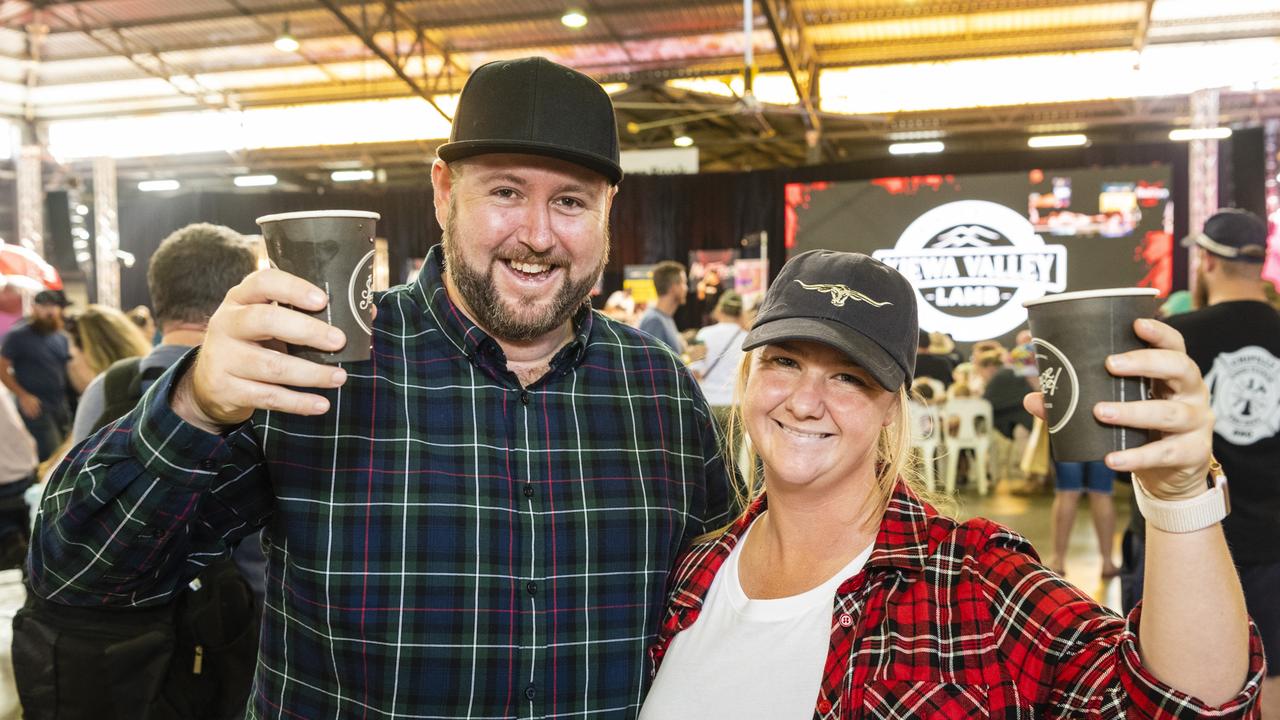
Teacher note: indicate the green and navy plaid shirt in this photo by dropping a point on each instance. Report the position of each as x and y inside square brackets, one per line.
[442, 544]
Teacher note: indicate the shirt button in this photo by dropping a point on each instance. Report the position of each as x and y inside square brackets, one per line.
[528, 490]
[206, 464]
[531, 692]
[846, 620]
[524, 397]
[824, 707]
[531, 587]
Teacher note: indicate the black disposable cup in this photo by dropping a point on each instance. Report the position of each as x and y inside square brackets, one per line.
[1073, 333]
[333, 250]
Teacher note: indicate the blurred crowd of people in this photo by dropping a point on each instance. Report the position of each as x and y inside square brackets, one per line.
[54, 359]
[46, 362]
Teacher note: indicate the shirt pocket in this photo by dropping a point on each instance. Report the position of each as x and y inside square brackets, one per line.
[901, 699]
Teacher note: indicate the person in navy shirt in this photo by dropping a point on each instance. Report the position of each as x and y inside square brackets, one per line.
[33, 365]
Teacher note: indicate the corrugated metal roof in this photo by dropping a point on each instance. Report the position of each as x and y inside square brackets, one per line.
[227, 44]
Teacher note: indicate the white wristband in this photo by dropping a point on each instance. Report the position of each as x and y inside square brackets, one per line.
[1184, 516]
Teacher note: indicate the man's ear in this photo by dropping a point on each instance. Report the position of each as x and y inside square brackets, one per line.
[1208, 260]
[441, 190]
[608, 201]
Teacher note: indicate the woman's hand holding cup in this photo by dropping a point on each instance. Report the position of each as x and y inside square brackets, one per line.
[1175, 464]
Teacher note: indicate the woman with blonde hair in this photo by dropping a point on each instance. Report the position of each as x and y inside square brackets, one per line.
[840, 593]
[108, 335]
[103, 336]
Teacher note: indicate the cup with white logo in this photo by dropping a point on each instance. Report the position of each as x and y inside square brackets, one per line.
[333, 250]
[1073, 333]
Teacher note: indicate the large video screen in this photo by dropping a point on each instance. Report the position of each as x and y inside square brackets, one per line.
[976, 247]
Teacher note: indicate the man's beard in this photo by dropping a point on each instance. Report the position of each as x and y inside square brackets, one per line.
[46, 325]
[1200, 295]
[480, 293]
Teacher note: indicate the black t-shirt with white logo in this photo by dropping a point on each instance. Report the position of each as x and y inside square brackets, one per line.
[1237, 346]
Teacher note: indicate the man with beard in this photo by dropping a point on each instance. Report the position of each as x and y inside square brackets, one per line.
[1234, 337]
[33, 365]
[476, 522]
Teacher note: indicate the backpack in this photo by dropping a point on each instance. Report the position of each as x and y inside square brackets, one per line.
[122, 387]
[192, 658]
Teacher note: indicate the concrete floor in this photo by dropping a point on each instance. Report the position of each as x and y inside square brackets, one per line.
[1029, 515]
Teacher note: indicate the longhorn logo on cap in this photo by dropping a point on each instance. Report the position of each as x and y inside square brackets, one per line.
[842, 293]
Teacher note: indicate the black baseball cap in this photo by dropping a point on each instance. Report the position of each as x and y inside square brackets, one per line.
[51, 297]
[535, 106]
[850, 301]
[1232, 234]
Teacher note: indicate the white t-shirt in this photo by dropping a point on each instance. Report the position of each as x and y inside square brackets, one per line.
[723, 341]
[748, 659]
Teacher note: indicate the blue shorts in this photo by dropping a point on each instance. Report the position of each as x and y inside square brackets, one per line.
[1092, 476]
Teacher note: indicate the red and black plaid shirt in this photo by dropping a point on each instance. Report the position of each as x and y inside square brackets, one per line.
[951, 620]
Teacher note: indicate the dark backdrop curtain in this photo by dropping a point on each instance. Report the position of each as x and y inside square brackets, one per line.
[654, 217]
[408, 223]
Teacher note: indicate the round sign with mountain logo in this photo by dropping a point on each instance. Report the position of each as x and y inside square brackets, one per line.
[973, 263]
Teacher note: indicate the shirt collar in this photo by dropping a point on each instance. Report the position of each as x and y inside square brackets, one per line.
[902, 543]
[473, 342]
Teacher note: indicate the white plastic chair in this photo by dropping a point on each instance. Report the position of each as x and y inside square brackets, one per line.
[967, 423]
[12, 597]
[926, 436]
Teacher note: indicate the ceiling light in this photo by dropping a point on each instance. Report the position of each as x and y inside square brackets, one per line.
[351, 175]
[1057, 141]
[915, 135]
[573, 18]
[682, 141]
[916, 148]
[286, 42]
[254, 180]
[158, 185]
[82, 209]
[1213, 133]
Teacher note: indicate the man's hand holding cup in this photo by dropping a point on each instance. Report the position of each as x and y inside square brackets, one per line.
[243, 366]
[278, 328]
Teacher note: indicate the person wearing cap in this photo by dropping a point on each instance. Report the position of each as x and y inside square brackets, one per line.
[476, 522]
[718, 369]
[841, 593]
[1234, 338]
[33, 365]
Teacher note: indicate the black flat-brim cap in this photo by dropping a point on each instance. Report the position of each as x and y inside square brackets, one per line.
[537, 107]
[849, 301]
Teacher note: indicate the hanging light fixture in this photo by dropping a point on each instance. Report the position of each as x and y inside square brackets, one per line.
[916, 148]
[158, 185]
[573, 18]
[286, 42]
[1057, 141]
[254, 180]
